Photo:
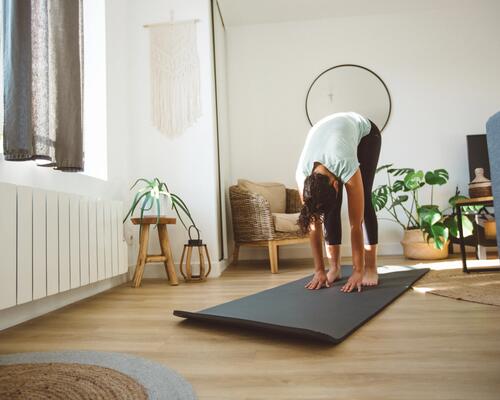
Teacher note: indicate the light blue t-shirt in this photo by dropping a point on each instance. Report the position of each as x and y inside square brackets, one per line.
[333, 141]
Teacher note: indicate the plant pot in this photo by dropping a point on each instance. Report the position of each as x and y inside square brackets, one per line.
[416, 247]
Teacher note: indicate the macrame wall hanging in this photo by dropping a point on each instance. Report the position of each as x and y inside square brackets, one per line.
[175, 76]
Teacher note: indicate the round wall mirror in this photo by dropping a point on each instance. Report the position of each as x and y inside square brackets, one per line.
[349, 87]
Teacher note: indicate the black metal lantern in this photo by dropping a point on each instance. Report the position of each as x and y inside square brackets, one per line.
[186, 269]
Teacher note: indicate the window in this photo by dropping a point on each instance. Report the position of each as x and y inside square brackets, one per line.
[94, 88]
[94, 102]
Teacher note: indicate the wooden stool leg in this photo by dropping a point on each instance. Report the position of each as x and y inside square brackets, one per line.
[141, 257]
[273, 256]
[236, 253]
[167, 252]
[202, 263]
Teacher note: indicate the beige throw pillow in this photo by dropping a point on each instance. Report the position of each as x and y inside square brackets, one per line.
[274, 193]
[286, 222]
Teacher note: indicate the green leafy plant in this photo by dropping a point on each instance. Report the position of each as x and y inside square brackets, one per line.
[401, 198]
[149, 196]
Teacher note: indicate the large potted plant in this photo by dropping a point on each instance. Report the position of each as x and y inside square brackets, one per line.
[427, 228]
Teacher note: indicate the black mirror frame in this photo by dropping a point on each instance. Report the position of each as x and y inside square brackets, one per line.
[350, 65]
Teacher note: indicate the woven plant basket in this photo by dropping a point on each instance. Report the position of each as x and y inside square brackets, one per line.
[415, 247]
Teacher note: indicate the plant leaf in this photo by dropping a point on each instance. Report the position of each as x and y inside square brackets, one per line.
[398, 186]
[429, 215]
[465, 209]
[400, 171]
[401, 199]
[134, 205]
[184, 206]
[439, 234]
[379, 199]
[382, 167]
[436, 177]
[451, 223]
[453, 200]
[414, 180]
[140, 180]
[148, 203]
[157, 210]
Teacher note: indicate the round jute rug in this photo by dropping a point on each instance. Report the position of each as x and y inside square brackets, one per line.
[67, 381]
[88, 375]
[478, 287]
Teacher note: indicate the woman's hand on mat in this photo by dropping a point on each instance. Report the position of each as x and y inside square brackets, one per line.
[318, 281]
[354, 282]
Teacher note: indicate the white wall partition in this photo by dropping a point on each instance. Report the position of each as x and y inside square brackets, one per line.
[49, 244]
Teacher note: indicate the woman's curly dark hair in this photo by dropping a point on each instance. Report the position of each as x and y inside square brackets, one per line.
[319, 196]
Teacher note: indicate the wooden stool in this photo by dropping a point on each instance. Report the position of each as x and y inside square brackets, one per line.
[166, 253]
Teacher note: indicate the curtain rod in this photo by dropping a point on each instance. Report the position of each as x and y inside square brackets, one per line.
[171, 23]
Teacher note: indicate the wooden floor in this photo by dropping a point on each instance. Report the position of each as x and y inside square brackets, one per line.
[421, 347]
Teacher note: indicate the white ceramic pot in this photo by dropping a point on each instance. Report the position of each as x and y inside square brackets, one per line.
[416, 247]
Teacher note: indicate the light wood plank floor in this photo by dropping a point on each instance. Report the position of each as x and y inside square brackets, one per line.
[421, 347]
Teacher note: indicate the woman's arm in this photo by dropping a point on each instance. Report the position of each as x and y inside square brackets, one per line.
[356, 206]
[315, 239]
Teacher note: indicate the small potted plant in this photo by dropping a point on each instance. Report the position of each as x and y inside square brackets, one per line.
[427, 229]
[150, 195]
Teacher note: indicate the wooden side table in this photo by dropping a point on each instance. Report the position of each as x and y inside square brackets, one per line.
[477, 201]
[166, 253]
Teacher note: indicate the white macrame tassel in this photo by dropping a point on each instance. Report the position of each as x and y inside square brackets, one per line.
[175, 77]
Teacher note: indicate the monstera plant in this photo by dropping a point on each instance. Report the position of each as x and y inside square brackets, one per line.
[401, 198]
[149, 196]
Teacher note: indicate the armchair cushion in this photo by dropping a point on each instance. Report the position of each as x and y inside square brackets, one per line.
[286, 222]
[274, 193]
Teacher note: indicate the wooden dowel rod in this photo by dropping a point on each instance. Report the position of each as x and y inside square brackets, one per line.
[156, 259]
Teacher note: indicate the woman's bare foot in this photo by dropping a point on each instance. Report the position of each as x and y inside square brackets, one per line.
[334, 274]
[370, 278]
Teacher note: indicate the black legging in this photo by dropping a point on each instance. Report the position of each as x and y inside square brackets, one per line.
[368, 153]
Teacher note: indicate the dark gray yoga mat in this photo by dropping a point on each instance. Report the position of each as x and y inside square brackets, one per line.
[327, 314]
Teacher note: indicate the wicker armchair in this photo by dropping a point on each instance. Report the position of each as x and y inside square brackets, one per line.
[253, 223]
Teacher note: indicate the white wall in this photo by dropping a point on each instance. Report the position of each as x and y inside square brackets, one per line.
[188, 162]
[441, 68]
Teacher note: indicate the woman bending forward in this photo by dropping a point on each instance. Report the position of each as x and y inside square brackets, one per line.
[341, 149]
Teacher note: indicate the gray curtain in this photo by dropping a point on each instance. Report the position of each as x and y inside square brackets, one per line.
[43, 82]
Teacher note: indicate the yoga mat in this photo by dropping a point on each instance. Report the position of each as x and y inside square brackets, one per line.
[327, 314]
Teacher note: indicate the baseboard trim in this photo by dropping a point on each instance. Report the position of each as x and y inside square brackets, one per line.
[21, 313]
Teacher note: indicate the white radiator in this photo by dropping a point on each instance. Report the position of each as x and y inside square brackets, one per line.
[52, 242]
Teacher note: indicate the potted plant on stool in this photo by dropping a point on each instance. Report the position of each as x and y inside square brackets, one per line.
[427, 229]
[150, 196]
